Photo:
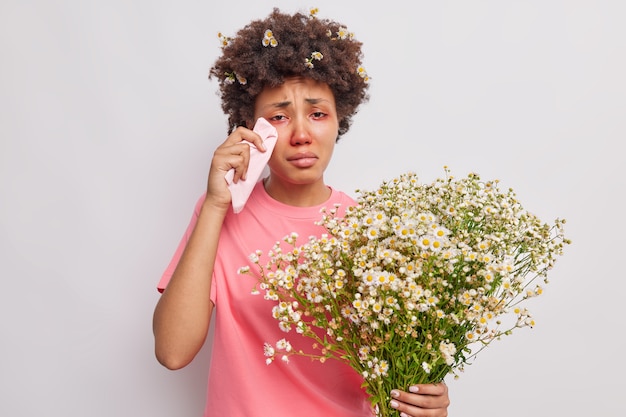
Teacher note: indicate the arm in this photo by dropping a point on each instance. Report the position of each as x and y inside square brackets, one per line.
[423, 400]
[183, 313]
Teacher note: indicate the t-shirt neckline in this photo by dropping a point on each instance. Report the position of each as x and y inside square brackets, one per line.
[260, 194]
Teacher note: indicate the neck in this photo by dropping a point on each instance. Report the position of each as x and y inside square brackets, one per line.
[297, 195]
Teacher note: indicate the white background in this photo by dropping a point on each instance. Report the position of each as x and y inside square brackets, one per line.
[107, 126]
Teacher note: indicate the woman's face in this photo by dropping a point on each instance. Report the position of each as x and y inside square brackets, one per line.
[303, 112]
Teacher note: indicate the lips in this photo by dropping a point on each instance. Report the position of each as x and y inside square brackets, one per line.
[303, 159]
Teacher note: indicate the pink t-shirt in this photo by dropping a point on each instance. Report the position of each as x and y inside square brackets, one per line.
[240, 383]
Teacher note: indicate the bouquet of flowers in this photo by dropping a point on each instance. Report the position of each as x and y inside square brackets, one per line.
[412, 282]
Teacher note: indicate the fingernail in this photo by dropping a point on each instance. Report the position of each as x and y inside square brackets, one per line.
[413, 389]
[394, 404]
[395, 393]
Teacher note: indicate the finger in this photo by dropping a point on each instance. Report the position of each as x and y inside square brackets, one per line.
[241, 171]
[239, 143]
[429, 389]
[408, 409]
[235, 157]
[422, 397]
[245, 134]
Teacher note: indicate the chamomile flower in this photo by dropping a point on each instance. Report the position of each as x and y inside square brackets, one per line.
[269, 39]
[409, 276]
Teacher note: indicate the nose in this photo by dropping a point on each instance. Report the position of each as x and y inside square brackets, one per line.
[299, 133]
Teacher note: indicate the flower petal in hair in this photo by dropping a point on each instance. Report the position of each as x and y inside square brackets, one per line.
[361, 71]
[269, 39]
[316, 55]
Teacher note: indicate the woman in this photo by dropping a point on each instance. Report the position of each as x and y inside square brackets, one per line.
[303, 75]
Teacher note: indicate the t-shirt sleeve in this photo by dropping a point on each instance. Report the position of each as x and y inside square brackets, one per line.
[169, 271]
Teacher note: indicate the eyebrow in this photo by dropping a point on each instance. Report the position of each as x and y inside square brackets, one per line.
[283, 104]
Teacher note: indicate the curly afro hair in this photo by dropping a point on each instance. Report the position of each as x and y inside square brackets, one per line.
[265, 52]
